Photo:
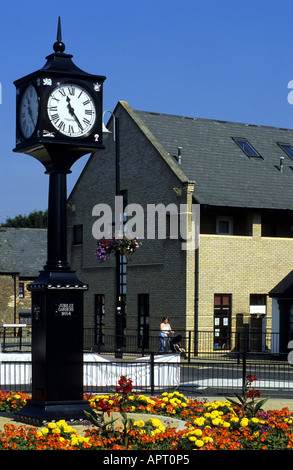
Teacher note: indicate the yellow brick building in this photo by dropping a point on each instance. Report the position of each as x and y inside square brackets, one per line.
[241, 177]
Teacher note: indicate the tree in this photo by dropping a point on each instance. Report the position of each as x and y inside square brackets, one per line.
[36, 219]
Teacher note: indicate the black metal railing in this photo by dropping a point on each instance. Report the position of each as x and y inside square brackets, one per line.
[130, 343]
[201, 344]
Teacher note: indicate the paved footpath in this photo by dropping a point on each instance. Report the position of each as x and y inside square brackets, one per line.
[271, 404]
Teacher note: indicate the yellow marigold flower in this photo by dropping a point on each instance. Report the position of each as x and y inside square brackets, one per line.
[216, 421]
[198, 432]
[61, 423]
[235, 419]
[192, 438]
[68, 429]
[254, 420]
[161, 428]
[56, 430]
[150, 401]
[140, 423]
[199, 443]
[244, 422]
[44, 431]
[74, 441]
[199, 421]
[226, 424]
[155, 422]
[52, 425]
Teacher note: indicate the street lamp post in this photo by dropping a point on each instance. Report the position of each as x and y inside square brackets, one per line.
[119, 298]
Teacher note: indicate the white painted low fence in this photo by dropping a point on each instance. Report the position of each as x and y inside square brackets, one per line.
[99, 371]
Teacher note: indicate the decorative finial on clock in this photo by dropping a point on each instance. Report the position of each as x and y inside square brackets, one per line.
[59, 46]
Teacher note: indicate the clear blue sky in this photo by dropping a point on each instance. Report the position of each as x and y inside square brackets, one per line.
[224, 59]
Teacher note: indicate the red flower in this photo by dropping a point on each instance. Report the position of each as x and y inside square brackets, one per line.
[125, 385]
[105, 406]
[253, 393]
[251, 378]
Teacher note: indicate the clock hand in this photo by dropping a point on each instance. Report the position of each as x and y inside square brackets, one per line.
[71, 111]
[30, 112]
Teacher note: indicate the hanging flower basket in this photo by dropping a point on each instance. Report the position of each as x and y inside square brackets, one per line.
[125, 246]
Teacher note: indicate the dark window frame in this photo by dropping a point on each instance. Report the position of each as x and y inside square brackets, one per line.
[100, 318]
[286, 149]
[21, 290]
[222, 321]
[78, 234]
[143, 317]
[247, 148]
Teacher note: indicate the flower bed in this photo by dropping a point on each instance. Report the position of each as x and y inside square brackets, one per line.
[220, 425]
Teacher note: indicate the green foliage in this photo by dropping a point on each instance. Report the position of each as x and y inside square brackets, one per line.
[36, 219]
[250, 407]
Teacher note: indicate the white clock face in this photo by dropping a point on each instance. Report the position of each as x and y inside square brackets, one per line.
[28, 111]
[71, 110]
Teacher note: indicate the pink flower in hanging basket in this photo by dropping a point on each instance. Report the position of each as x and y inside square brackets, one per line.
[125, 246]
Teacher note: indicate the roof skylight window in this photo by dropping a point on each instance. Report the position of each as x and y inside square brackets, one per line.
[247, 148]
[288, 149]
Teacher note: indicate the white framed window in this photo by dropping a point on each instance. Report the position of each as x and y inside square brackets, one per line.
[258, 303]
[224, 225]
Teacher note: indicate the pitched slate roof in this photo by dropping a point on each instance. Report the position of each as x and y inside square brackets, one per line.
[23, 250]
[223, 174]
[284, 289]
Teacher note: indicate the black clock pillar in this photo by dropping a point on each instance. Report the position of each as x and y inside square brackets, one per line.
[57, 294]
[57, 228]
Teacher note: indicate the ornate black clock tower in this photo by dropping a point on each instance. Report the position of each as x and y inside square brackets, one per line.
[58, 120]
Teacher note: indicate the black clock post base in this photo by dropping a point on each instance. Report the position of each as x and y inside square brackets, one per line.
[39, 413]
